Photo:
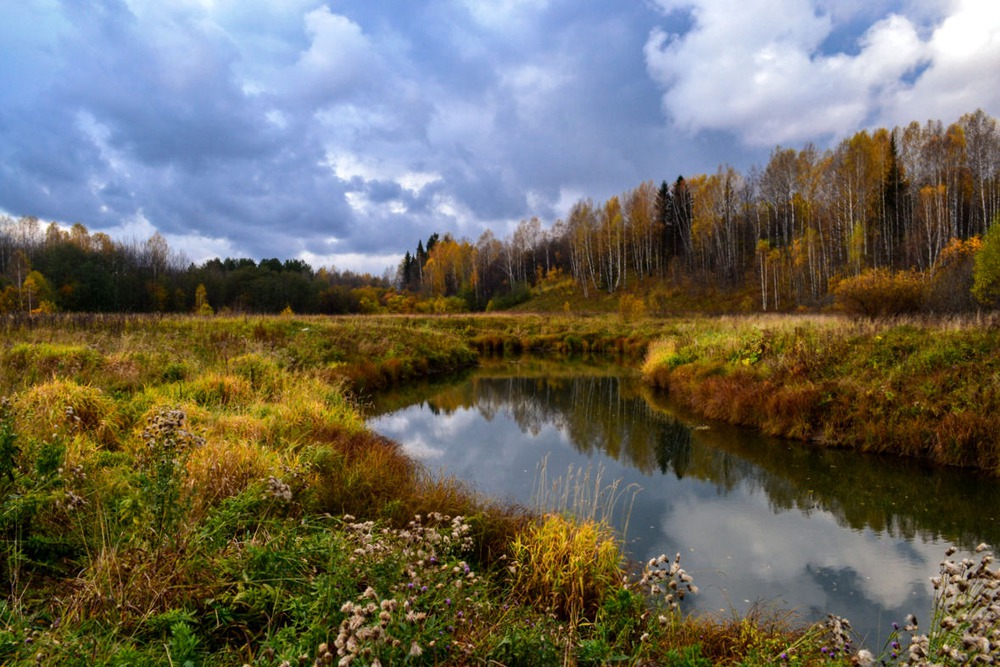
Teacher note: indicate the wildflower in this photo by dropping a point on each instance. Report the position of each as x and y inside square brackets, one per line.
[864, 658]
[278, 489]
[415, 650]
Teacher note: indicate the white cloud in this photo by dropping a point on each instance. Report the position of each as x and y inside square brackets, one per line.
[375, 264]
[503, 14]
[535, 88]
[786, 550]
[339, 58]
[765, 71]
[964, 52]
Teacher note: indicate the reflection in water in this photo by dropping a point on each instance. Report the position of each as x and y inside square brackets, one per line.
[757, 519]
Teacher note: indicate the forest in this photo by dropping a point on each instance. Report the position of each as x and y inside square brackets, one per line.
[887, 220]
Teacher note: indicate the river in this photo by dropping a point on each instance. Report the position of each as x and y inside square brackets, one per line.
[756, 520]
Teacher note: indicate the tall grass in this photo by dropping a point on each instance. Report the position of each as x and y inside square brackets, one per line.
[173, 490]
[905, 387]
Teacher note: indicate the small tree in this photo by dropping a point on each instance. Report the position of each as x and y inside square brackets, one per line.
[201, 305]
[950, 286]
[35, 290]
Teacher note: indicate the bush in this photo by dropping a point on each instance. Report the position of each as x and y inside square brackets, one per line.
[880, 293]
[986, 273]
[950, 288]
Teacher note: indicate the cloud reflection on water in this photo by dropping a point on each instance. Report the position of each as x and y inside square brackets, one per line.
[749, 530]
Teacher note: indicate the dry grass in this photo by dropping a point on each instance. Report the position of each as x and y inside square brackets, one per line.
[909, 387]
[566, 566]
[63, 408]
[220, 470]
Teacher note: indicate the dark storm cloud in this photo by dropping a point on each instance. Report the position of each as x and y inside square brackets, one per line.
[336, 131]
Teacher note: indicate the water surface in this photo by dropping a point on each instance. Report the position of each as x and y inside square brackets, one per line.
[756, 520]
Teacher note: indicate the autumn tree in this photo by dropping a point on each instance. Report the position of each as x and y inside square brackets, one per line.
[951, 280]
[36, 293]
[982, 150]
[201, 305]
[581, 228]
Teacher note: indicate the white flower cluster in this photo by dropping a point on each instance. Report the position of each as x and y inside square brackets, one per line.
[965, 623]
[428, 549]
[661, 576]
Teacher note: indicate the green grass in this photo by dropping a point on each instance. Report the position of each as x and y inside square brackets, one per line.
[925, 390]
[204, 491]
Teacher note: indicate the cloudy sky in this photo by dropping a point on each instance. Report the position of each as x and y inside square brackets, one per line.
[342, 132]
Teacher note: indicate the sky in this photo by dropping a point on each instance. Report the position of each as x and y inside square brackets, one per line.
[344, 132]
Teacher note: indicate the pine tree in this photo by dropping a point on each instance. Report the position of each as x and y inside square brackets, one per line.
[895, 195]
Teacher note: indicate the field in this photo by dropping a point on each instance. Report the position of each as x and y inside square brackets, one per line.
[203, 491]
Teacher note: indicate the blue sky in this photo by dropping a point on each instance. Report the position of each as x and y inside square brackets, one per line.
[343, 132]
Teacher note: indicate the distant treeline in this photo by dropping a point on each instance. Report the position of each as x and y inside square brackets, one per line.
[894, 208]
[889, 216]
[45, 269]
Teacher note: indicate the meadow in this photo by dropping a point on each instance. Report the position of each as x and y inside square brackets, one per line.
[203, 491]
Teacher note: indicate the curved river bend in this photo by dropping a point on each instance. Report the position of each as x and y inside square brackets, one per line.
[756, 520]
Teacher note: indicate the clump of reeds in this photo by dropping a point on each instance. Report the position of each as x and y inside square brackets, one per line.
[567, 566]
[583, 494]
[571, 559]
[69, 409]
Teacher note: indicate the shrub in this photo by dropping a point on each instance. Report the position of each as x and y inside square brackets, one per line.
[950, 288]
[986, 273]
[880, 293]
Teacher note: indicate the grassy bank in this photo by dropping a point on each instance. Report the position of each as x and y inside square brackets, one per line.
[928, 390]
[186, 491]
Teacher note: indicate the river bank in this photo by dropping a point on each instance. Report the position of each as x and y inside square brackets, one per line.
[926, 390]
[203, 491]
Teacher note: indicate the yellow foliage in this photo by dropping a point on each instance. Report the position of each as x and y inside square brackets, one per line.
[631, 307]
[880, 293]
[565, 565]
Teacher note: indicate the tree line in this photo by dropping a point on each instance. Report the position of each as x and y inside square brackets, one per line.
[48, 269]
[901, 212]
[788, 234]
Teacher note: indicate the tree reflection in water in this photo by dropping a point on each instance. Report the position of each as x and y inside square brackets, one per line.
[817, 529]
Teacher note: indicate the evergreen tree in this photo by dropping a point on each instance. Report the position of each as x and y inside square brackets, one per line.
[664, 223]
[682, 216]
[896, 198]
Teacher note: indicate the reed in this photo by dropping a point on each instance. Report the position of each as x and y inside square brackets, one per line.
[583, 494]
